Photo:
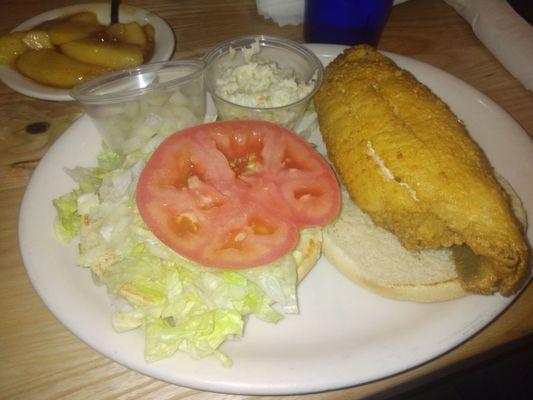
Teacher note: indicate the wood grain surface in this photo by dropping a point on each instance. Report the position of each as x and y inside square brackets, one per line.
[40, 359]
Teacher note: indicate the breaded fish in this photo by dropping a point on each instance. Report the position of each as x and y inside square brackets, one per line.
[409, 163]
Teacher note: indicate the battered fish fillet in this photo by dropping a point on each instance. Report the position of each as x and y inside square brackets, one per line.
[409, 163]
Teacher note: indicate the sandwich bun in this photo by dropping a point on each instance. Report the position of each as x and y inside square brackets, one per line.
[374, 258]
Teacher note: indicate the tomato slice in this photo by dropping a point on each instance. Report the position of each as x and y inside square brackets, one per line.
[233, 194]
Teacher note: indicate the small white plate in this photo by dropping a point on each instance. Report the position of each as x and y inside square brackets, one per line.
[164, 44]
[344, 334]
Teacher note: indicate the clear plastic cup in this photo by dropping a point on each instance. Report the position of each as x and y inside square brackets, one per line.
[286, 54]
[132, 106]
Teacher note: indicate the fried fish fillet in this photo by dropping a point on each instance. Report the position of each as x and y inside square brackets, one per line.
[409, 163]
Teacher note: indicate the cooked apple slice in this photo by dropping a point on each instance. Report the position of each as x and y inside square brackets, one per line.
[11, 46]
[51, 68]
[107, 54]
[131, 33]
[67, 31]
[149, 30]
[134, 34]
[37, 40]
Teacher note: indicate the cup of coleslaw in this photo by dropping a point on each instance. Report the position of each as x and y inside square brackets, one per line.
[132, 106]
[262, 77]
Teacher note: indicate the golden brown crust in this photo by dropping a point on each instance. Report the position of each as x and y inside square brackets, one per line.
[409, 163]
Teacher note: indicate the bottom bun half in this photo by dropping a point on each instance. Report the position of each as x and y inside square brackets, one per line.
[375, 259]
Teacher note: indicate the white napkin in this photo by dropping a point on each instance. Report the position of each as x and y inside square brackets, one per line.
[287, 12]
[507, 35]
[283, 12]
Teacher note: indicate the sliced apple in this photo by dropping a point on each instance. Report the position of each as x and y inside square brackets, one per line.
[11, 46]
[67, 31]
[106, 54]
[37, 40]
[51, 68]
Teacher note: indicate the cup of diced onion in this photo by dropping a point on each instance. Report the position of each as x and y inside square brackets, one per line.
[130, 107]
[262, 77]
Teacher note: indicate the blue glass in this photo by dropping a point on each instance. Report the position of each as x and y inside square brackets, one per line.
[345, 21]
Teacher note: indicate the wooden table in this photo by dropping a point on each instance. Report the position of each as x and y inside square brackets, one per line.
[40, 359]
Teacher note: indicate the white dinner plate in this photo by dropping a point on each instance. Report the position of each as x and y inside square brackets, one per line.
[163, 49]
[343, 336]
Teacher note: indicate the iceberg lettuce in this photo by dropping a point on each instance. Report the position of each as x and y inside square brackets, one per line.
[67, 222]
[180, 305]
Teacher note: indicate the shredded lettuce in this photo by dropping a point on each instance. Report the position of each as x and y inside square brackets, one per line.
[199, 335]
[180, 305]
[67, 222]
